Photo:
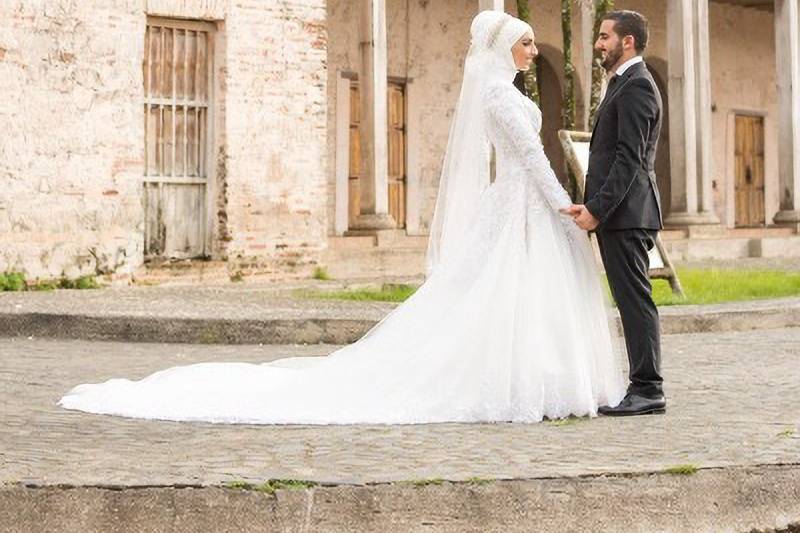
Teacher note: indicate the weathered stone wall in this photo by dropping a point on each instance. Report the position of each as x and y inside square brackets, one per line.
[427, 41]
[71, 146]
[743, 79]
[743, 68]
[276, 133]
[71, 154]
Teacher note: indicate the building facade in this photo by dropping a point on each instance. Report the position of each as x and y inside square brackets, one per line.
[275, 137]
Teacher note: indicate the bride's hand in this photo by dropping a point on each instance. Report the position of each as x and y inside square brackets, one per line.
[573, 210]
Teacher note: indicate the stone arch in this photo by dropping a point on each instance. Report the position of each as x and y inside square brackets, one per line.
[658, 68]
[550, 79]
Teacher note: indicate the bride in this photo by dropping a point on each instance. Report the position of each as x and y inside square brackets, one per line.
[510, 324]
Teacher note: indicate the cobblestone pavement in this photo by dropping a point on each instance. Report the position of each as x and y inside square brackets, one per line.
[733, 400]
[252, 302]
[231, 301]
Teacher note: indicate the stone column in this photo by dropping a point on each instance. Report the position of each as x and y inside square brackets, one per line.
[374, 179]
[690, 113]
[705, 156]
[787, 52]
[586, 51]
[493, 5]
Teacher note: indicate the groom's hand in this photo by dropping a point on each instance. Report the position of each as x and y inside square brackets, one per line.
[584, 219]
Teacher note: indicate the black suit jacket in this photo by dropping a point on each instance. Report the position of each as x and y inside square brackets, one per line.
[621, 190]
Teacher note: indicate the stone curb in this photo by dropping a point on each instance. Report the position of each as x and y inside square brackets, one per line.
[746, 499]
[316, 330]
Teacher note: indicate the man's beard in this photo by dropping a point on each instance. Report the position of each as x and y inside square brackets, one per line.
[612, 57]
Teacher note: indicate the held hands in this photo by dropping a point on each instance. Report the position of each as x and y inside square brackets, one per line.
[581, 216]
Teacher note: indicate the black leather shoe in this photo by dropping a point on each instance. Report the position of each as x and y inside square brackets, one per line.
[633, 405]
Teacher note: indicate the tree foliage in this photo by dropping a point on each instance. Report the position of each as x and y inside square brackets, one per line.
[531, 83]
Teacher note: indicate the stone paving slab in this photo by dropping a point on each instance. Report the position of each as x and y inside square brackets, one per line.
[733, 402]
[268, 314]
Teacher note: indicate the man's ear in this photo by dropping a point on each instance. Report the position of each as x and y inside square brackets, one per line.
[629, 41]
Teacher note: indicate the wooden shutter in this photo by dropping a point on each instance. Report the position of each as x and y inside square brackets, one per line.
[397, 153]
[749, 169]
[177, 88]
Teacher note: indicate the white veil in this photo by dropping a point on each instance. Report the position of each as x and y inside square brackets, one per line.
[465, 171]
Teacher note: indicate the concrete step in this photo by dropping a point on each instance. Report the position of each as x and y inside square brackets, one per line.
[760, 498]
[719, 232]
[181, 272]
[673, 234]
[787, 246]
[397, 238]
[374, 262]
[352, 242]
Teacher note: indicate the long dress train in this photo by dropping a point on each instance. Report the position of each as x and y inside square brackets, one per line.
[512, 327]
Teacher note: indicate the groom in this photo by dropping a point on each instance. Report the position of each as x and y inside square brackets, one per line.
[622, 204]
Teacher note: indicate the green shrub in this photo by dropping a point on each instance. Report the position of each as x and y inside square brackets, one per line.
[83, 282]
[12, 281]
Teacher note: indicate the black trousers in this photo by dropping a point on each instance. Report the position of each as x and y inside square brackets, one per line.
[624, 254]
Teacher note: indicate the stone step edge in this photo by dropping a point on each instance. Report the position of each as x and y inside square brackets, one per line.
[751, 498]
[318, 330]
[321, 483]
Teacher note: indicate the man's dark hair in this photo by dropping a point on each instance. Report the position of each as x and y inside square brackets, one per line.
[630, 23]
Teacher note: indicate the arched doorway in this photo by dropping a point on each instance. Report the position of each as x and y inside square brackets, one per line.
[658, 68]
[551, 102]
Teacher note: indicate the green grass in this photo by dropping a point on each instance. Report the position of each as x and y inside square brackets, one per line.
[702, 286]
[708, 286]
[682, 470]
[15, 281]
[387, 293]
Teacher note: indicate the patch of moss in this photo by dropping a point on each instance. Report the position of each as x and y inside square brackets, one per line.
[426, 482]
[479, 481]
[682, 470]
[272, 485]
[321, 273]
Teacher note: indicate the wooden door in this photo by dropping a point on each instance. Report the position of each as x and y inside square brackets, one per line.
[354, 192]
[177, 88]
[749, 170]
[396, 118]
[397, 153]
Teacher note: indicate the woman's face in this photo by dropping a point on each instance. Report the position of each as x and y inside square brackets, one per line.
[524, 52]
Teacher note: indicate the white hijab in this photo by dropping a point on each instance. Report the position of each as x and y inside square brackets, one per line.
[465, 172]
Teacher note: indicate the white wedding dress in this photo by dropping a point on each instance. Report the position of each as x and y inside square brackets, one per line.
[512, 326]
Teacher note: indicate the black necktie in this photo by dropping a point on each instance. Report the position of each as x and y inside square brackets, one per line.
[609, 86]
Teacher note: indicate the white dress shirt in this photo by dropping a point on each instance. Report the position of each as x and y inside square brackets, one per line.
[628, 64]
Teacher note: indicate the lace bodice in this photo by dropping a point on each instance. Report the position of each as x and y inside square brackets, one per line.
[513, 126]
